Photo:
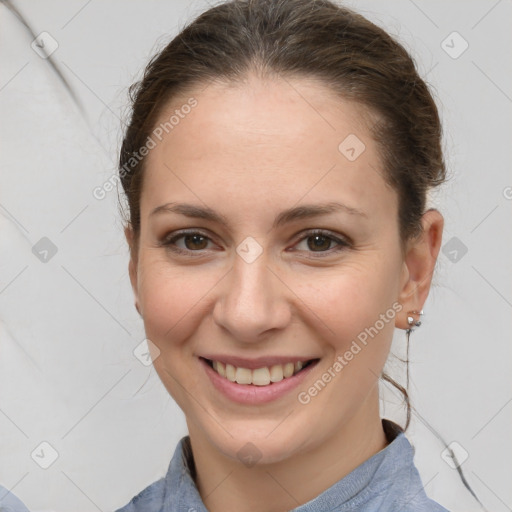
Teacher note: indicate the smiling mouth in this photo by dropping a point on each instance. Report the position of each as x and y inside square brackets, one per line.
[264, 376]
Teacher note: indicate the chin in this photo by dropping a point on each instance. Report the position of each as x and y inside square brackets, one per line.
[255, 445]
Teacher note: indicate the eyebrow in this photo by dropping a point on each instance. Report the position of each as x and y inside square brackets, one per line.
[286, 216]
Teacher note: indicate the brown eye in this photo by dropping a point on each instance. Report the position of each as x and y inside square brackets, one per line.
[319, 242]
[186, 242]
[323, 243]
[196, 241]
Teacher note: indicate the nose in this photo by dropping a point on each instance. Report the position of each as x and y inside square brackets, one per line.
[253, 301]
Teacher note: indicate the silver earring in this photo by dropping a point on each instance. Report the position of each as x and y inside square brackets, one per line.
[410, 320]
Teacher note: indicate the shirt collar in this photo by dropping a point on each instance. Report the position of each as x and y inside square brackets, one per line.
[182, 495]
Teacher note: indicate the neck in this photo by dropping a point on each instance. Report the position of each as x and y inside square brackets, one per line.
[291, 482]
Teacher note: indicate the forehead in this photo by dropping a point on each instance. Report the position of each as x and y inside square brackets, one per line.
[266, 142]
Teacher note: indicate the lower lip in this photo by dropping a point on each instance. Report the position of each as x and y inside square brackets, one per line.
[252, 394]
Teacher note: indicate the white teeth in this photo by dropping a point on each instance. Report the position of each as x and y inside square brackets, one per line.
[221, 369]
[243, 376]
[288, 369]
[276, 373]
[230, 372]
[260, 376]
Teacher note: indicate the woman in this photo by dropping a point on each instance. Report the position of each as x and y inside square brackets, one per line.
[276, 167]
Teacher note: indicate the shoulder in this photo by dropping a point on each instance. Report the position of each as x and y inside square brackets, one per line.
[176, 487]
[399, 476]
[419, 500]
[151, 498]
[413, 498]
[9, 502]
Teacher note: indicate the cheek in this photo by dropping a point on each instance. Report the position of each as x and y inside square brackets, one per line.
[173, 302]
[358, 310]
[347, 300]
[173, 299]
[357, 306]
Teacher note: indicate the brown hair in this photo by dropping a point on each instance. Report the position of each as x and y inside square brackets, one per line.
[300, 38]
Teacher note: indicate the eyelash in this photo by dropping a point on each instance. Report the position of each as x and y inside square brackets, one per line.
[169, 242]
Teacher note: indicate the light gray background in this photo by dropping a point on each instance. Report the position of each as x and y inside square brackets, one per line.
[68, 326]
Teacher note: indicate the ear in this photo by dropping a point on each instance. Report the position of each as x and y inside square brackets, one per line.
[132, 265]
[419, 263]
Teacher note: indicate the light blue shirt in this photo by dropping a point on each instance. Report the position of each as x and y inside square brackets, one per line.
[9, 502]
[386, 482]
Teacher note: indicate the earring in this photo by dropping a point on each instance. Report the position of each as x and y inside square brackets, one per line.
[411, 321]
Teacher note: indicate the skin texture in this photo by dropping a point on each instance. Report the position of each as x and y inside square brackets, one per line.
[249, 151]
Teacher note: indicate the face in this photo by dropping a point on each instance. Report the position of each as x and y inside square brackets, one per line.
[287, 252]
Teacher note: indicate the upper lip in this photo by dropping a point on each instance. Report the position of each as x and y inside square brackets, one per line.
[256, 362]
